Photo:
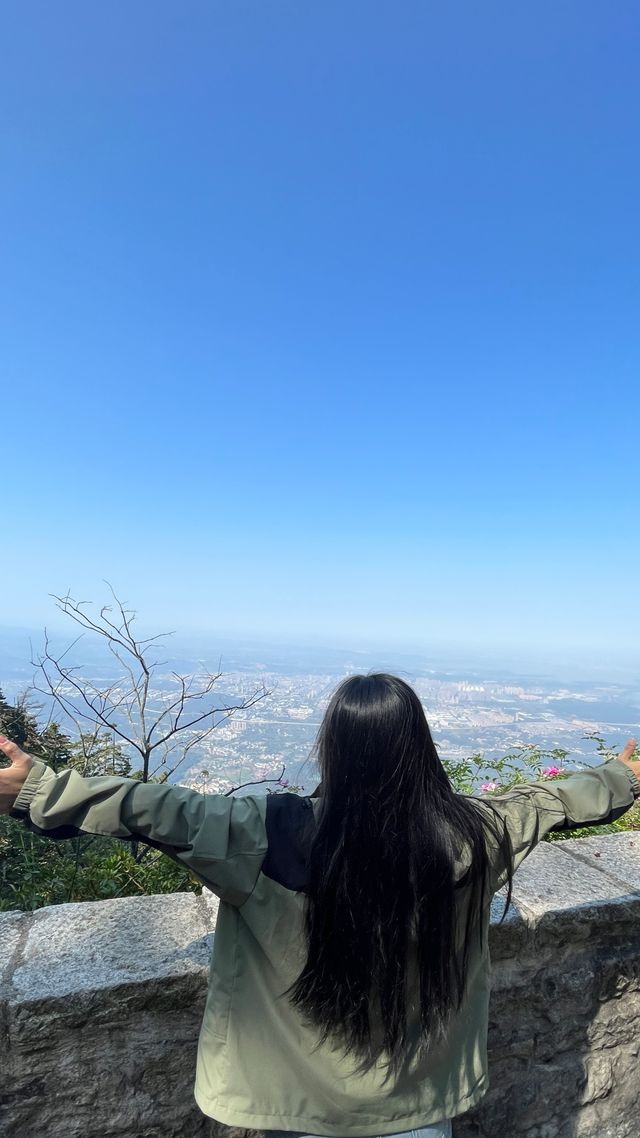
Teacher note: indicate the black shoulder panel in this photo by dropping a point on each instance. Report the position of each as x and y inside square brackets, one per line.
[290, 825]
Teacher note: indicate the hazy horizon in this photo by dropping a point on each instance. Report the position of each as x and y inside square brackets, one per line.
[471, 658]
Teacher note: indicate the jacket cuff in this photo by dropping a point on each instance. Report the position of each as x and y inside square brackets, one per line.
[29, 787]
[635, 782]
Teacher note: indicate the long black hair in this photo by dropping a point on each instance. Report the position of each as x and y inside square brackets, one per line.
[382, 875]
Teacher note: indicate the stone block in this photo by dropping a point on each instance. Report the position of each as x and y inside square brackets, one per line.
[562, 896]
[84, 947]
[618, 855]
[13, 932]
[102, 1008]
[507, 933]
[549, 880]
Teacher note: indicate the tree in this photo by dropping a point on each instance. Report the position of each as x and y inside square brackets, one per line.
[96, 752]
[35, 871]
[55, 747]
[139, 718]
[157, 725]
[132, 716]
[19, 724]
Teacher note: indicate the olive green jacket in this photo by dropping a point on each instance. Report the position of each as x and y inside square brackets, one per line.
[259, 1065]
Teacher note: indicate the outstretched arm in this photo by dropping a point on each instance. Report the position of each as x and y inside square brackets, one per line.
[221, 839]
[591, 797]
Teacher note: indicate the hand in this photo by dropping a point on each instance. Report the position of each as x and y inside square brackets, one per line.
[625, 757]
[12, 778]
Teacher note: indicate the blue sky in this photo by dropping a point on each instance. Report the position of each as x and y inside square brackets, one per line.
[322, 319]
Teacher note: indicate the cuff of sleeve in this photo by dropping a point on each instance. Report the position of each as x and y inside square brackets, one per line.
[635, 783]
[29, 787]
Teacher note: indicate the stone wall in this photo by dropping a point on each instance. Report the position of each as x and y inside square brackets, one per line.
[100, 1006]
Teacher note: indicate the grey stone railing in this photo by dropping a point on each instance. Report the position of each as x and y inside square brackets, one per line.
[100, 1006]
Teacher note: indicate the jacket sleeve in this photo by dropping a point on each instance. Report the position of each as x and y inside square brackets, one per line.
[592, 797]
[222, 840]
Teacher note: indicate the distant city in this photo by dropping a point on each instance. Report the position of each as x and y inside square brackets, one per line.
[465, 718]
[472, 709]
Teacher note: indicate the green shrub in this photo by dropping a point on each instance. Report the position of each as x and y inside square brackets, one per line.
[528, 763]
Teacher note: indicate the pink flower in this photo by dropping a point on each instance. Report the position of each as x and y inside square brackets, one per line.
[487, 786]
[552, 772]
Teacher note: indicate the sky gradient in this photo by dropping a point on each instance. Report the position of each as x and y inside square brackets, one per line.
[322, 319]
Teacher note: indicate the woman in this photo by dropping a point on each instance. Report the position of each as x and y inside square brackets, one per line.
[350, 980]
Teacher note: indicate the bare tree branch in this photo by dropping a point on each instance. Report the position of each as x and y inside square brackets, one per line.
[168, 722]
[200, 736]
[255, 782]
[95, 711]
